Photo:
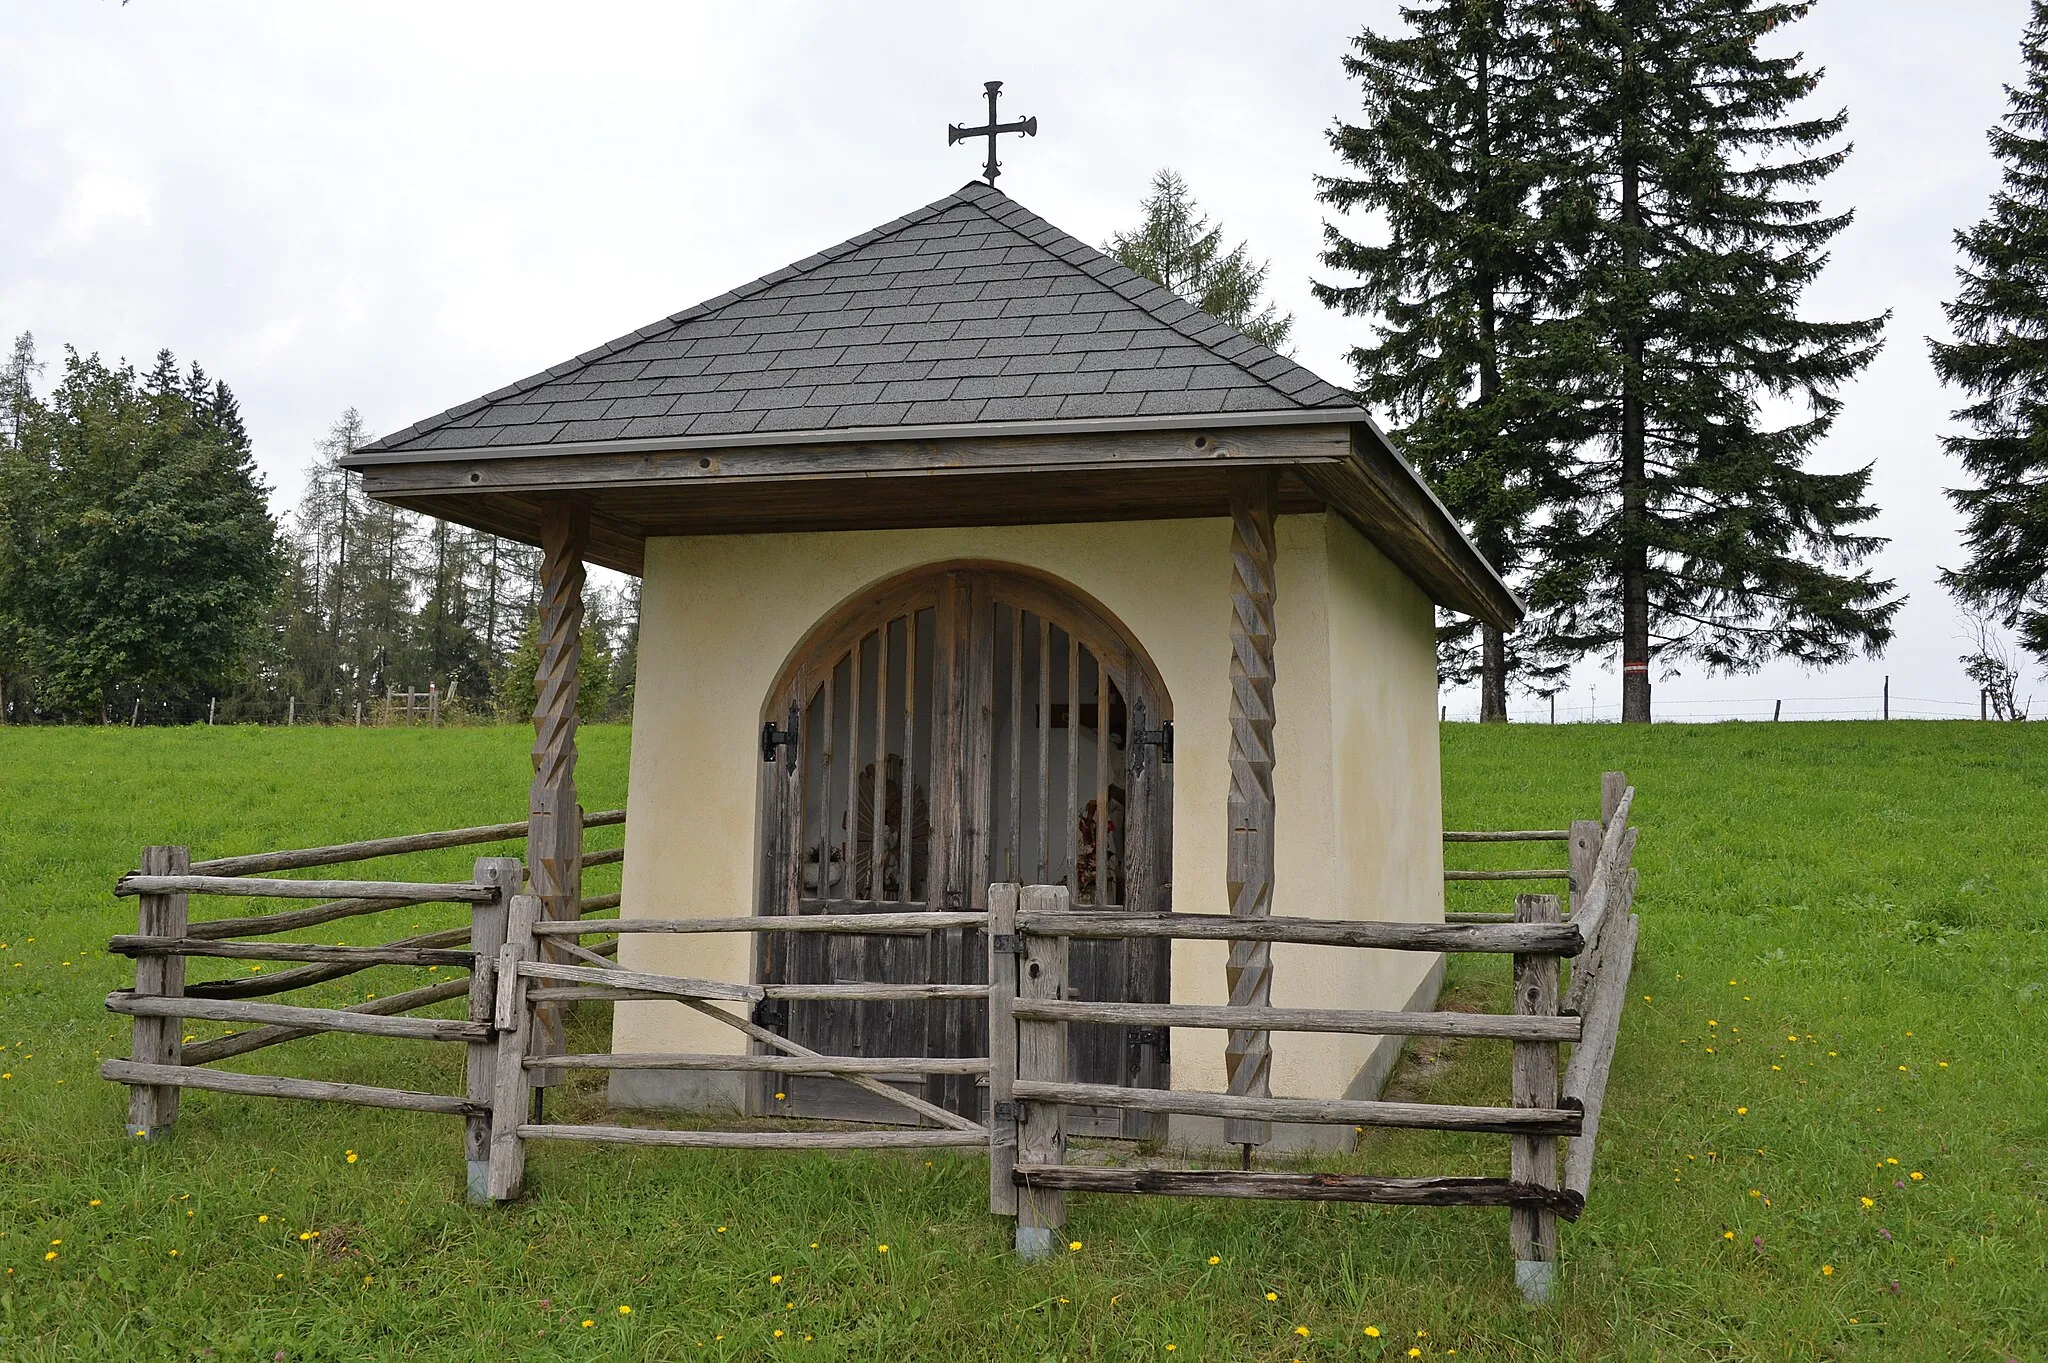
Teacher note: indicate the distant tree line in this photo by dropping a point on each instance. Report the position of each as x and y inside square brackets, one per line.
[144, 578]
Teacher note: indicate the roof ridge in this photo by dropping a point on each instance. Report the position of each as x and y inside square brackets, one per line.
[669, 324]
[1146, 294]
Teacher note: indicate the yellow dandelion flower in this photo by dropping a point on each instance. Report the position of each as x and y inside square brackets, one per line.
[1171, 1347]
[780, 1096]
[1756, 1192]
[625, 1310]
[305, 1235]
[1272, 1296]
[774, 1277]
[1889, 1160]
[1710, 1050]
[1742, 1112]
[1916, 1176]
[881, 1249]
[1827, 1270]
[1727, 1235]
[351, 1157]
[1415, 1353]
[778, 1334]
[1301, 1330]
[1902, 1069]
[1215, 1258]
[56, 1242]
[367, 1280]
[814, 1244]
[94, 1203]
[1942, 1063]
[174, 1254]
[263, 1219]
[1073, 1244]
[1372, 1332]
[51, 1255]
[588, 1323]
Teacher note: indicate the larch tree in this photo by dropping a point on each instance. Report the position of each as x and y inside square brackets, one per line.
[1460, 139]
[1698, 532]
[1177, 248]
[2000, 357]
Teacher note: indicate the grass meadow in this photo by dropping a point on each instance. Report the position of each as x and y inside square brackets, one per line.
[1826, 1133]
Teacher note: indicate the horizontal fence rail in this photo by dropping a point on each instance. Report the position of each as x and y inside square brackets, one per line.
[1561, 939]
[1287, 1187]
[260, 863]
[814, 922]
[253, 888]
[1362, 1022]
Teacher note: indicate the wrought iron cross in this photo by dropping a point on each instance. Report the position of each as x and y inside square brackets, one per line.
[956, 133]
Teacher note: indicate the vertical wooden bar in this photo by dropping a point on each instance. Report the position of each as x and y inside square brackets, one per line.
[1042, 1055]
[1043, 873]
[1101, 785]
[554, 834]
[910, 756]
[1070, 847]
[977, 794]
[1532, 1230]
[486, 936]
[1003, 958]
[1015, 870]
[853, 769]
[1585, 856]
[158, 1041]
[1247, 1055]
[510, 1077]
[828, 740]
[878, 822]
[1613, 784]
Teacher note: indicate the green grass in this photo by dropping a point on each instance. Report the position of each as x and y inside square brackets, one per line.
[1877, 891]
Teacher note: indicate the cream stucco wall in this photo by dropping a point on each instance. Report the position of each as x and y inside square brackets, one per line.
[1356, 778]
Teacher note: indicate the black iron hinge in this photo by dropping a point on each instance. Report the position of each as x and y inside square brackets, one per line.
[773, 738]
[1006, 944]
[1159, 1037]
[772, 1014]
[1163, 735]
[1006, 1111]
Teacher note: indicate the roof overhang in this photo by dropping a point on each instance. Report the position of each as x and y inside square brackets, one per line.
[985, 474]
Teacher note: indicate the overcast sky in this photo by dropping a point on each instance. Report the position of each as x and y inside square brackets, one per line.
[398, 207]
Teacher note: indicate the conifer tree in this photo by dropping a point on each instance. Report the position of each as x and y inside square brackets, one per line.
[1176, 248]
[1698, 532]
[1460, 136]
[2000, 316]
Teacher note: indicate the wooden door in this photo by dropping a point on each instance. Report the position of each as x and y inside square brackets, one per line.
[1005, 729]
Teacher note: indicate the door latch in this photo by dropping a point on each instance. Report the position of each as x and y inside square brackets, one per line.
[1163, 735]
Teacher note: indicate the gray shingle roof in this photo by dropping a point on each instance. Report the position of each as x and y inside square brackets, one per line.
[969, 311]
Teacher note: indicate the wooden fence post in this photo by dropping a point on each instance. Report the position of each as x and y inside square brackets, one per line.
[1003, 957]
[1612, 786]
[1532, 1230]
[487, 924]
[1042, 1055]
[1585, 857]
[514, 1019]
[158, 1041]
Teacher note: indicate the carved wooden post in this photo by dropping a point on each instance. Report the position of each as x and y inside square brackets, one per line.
[1248, 1056]
[1532, 1230]
[158, 1041]
[1042, 1055]
[554, 827]
[486, 938]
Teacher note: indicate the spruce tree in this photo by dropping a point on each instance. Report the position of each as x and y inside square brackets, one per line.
[1698, 532]
[1176, 248]
[2000, 316]
[1460, 134]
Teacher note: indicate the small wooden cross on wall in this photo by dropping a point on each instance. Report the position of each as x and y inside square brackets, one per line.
[956, 133]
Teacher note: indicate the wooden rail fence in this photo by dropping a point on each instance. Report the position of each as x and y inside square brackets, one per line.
[1570, 988]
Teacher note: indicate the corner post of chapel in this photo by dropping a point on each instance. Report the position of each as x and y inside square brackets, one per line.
[554, 827]
[1248, 1055]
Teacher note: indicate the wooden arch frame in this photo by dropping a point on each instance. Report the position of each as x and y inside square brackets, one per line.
[1114, 707]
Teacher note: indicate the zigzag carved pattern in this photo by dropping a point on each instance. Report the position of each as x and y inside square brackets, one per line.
[1248, 1056]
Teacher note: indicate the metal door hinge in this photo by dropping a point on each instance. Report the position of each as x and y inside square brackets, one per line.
[1006, 1111]
[773, 738]
[1006, 944]
[1163, 736]
[772, 1014]
[1158, 1037]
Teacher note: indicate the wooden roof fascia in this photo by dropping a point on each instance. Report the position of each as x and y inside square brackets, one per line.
[973, 455]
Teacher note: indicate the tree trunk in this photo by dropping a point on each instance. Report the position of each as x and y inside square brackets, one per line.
[1635, 586]
[1493, 665]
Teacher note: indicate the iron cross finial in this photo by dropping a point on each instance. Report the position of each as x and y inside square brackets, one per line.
[956, 133]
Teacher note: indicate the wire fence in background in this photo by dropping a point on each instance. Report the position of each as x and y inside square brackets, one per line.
[1568, 710]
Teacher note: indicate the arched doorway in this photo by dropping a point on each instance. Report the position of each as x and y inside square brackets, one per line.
[959, 724]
